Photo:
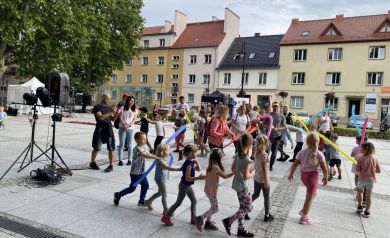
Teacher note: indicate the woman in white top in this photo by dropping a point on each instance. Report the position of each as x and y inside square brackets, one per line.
[240, 123]
[127, 117]
[325, 122]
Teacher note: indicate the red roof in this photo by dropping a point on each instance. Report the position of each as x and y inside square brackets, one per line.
[349, 29]
[154, 30]
[201, 34]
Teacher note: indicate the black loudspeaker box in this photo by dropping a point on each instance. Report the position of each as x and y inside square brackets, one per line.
[58, 85]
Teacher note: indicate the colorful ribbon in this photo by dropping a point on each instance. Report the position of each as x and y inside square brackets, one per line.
[302, 122]
[270, 123]
[354, 120]
[170, 139]
[364, 131]
[191, 125]
[311, 119]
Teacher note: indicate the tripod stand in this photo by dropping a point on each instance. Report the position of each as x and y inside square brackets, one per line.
[28, 152]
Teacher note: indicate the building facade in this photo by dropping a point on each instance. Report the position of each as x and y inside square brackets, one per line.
[337, 62]
[257, 58]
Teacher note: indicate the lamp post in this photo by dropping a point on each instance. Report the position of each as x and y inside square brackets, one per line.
[161, 95]
[208, 83]
[241, 55]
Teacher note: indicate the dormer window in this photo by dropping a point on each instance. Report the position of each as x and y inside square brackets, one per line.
[271, 55]
[252, 55]
[331, 32]
[305, 33]
[385, 28]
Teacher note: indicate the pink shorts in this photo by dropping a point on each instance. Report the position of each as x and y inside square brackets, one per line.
[310, 180]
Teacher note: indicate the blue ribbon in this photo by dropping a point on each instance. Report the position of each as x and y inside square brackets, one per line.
[354, 120]
[170, 139]
[311, 119]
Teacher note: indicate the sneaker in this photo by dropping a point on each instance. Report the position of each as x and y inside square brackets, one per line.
[359, 210]
[142, 204]
[330, 177]
[199, 223]
[210, 225]
[300, 212]
[247, 217]
[108, 169]
[192, 221]
[367, 214]
[268, 218]
[227, 225]
[93, 166]
[286, 156]
[128, 162]
[149, 205]
[339, 177]
[280, 159]
[120, 163]
[167, 220]
[292, 160]
[116, 199]
[244, 233]
[305, 220]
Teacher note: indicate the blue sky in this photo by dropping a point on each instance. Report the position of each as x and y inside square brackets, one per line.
[264, 16]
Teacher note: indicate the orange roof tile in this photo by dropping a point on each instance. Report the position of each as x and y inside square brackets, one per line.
[201, 34]
[352, 29]
[154, 30]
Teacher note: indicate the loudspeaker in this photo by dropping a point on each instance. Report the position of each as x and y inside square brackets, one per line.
[58, 86]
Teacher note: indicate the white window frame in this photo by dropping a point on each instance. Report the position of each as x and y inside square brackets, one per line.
[227, 78]
[333, 78]
[146, 43]
[175, 76]
[378, 80]
[300, 55]
[175, 66]
[207, 59]
[114, 78]
[128, 78]
[298, 78]
[385, 28]
[145, 60]
[162, 42]
[296, 102]
[159, 78]
[175, 58]
[158, 96]
[160, 60]
[144, 78]
[189, 99]
[331, 32]
[376, 52]
[335, 54]
[246, 78]
[192, 59]
[262, 78]
[191, 78]
[333, 104]
[113, 94]
[206, 78]
[174, 85]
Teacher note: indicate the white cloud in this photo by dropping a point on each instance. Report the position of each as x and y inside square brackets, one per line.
[264, 16]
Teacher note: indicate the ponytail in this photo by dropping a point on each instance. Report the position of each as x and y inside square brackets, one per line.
[243, 143]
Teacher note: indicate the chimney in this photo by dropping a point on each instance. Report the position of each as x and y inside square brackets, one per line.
[214, 18]
[339, 17]
[180, 23]
[167, 26]
[388, 13]
[257, 34]
[295, 21]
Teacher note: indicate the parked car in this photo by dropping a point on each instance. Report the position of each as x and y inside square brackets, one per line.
[165, 110]
[334, 119]
[385, 124]
[360, 122]
[303, 115]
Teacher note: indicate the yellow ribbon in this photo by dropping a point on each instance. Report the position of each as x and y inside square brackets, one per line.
[191, 125]
[302, 122]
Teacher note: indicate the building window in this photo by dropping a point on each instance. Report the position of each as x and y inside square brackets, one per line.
[175, 76]
[300, 55]
[207, 59]
[162, 42]
[191, 78]
[374, 78]
[305, 33]
[335, 53]
[331, 32]
[262, 78]
[174, 85]
[175, 58]
[252, 55]
[174, 95]
[298, 78]
[192, 59]
[129, 62]
[246, 78]
[385, 28]
[160, 78]
[128, 78]
[331, 102]
[206, 78]
[271, 55]
[190, 97]
[158, 96]
[296, 102]
[144, 78]
[332, 78]
[114, 78]
[146, 43]
[227, 78]
[160, 60]
[113, 94]
[175, 66]
[145, 60]
[377, 52]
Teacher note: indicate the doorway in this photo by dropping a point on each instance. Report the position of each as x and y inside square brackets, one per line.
[355, 102]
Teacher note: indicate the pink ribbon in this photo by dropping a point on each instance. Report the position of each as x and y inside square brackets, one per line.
[364, 131]
[270, 123]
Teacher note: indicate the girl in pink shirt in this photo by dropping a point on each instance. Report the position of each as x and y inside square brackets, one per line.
[215, 170]
[311, 160]
[219, 128]
[366, 167]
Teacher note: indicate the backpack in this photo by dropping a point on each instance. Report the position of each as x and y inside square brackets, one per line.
[116, 122]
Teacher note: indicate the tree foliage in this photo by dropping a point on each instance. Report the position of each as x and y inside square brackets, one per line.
[87, 39]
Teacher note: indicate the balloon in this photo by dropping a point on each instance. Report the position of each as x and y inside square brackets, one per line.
[192, 125]
[364, 131]
[317, 114]
[301, 121]
[354, 120]
[269, 124]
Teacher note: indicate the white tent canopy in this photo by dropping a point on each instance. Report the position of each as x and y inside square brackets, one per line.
[15, 95]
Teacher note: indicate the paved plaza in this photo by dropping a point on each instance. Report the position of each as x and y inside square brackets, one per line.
[82, 205]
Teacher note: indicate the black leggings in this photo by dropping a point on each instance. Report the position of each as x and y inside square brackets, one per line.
[297, 148]
[157, 142]
[256, 193]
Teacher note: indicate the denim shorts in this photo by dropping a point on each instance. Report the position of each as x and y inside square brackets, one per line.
[365, 184]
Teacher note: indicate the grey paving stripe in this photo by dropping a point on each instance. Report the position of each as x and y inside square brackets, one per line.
[349, 191]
